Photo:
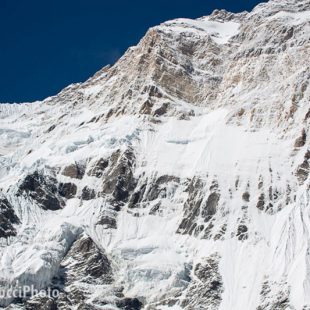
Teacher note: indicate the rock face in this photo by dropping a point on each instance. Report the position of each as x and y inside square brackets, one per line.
[178, 178]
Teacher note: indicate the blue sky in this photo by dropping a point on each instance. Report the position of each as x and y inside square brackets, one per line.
[47, 44]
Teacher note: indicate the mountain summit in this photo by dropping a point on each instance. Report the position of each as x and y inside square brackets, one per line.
[178, 178]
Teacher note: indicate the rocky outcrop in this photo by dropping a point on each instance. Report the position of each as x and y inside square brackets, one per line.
[303, 169]
[108, 221]
[129, 304]
[148, 190]
[67, 190]
[85, 262]
[205, 290]
[301, 141]
[210, 207]
[8, 219]
[118, 179]
[41, 303]
[192, 208]
[97, 168]
[242, 232]
[198, 206]
[42, 189]
[75, 171]
[261, 202]
[83, 269]
[275, 299]
[88, 193]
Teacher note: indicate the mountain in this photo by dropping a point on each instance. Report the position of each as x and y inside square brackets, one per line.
[178, 178]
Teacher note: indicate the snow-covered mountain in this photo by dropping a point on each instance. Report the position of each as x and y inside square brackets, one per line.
[176, 179]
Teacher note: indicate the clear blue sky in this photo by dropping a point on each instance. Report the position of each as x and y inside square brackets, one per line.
[47, 44]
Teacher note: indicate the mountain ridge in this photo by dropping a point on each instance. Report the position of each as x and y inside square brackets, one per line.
[177, 178]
